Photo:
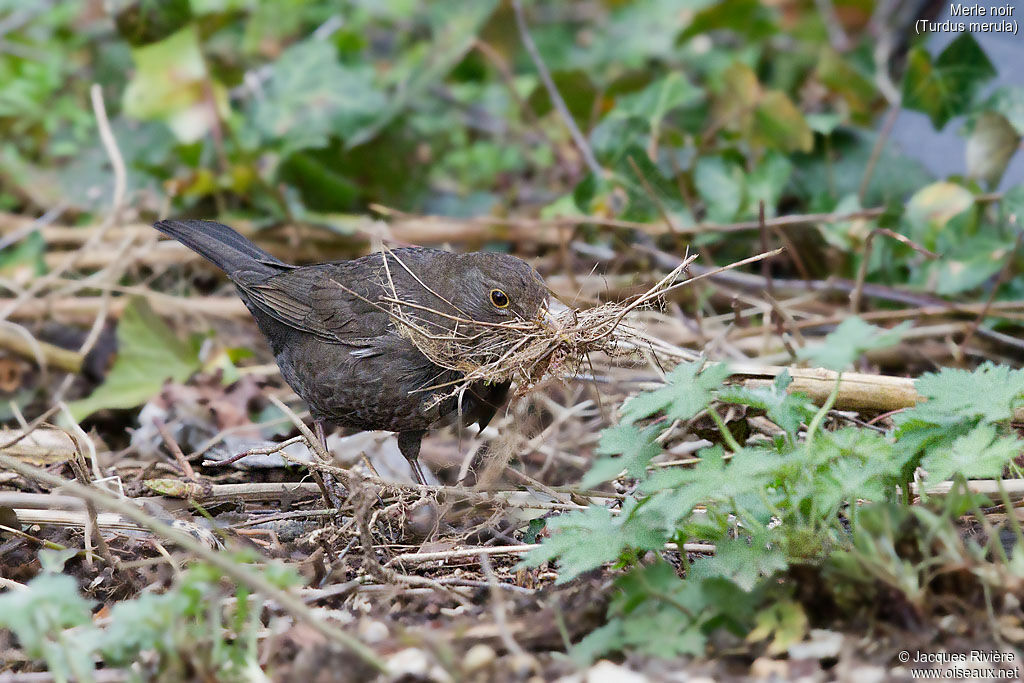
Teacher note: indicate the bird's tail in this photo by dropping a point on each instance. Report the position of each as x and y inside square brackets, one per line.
[221, 246]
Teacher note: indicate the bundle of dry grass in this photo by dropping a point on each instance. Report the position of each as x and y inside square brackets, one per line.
[526, 351]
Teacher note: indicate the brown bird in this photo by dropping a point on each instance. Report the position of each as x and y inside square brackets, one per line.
[337, 344]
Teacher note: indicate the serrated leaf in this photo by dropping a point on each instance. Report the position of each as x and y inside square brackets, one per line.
[844, 345]
[784, 622]
[945, 87]
[687, 392]
[784, 409]
[625, 447]
[581, 541]
[981, 453]
[745, 560]
[990, 393]
[149, 354]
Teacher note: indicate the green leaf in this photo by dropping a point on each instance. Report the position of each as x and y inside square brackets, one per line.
[658, 99]
[687, 391]
[932, 208]
[581, 541]
[721, 184]
[992, 142]
[982, 453]
[1011, 207]
[744, 560]
[784, 622]
[779, 124]
[632, 449]
[1007, 100]
[39, 618]
[454, 26]
[968, 265]
[148, 354]
[990, 393]
[946, 87]
[171, 84]
[844, 345]
[767, 181]
[310, 97]
[784, 409]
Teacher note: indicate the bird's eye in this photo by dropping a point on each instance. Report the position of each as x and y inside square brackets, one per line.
[499, 298]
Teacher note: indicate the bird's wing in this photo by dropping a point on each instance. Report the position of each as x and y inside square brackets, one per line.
[325, 301]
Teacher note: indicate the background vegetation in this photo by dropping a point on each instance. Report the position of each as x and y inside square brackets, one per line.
[723, 513]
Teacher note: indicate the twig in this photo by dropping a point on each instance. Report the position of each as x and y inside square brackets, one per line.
[876, 151]
[276, 448]
[226, 563]
[862, 271]
[113, 153]
[556, 98]
[183, 464]
[17, 339]
[498, 609]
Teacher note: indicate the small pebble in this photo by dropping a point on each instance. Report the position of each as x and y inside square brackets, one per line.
[765, 667]
[408, 662]
[373, 631]
[478, 657]
[608, 672]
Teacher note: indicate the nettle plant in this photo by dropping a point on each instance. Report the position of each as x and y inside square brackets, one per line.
[772, 505]
[203, 627]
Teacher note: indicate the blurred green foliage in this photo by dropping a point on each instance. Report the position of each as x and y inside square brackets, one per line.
[280, 111]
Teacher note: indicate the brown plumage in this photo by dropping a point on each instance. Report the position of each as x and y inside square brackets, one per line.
[336, 343]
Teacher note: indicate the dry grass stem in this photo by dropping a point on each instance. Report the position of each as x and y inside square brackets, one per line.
[527, 351]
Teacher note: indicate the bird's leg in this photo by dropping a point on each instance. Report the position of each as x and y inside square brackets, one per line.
[318, 428]
[409, 445]
[330, 485]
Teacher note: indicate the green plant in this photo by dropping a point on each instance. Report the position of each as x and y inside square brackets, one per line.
[770, 506]
[203, 627]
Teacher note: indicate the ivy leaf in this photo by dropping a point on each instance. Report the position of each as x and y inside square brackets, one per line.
[933, 207]
[721, 185]
[688, 390]
[659, 98]
[992, 142]
[310, 97]
[171, 84]
[148, 354]
[981, 453]
[844, 345]
[1011, 207]
[945, 87]
[968, 264]
[1007, 100]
